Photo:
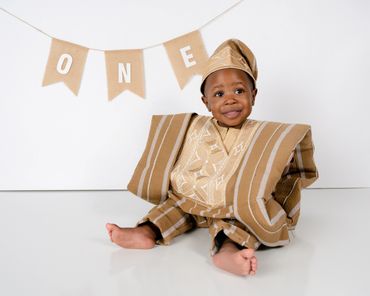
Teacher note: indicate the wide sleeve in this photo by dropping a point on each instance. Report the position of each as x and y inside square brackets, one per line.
[299, 173]
[151, 177]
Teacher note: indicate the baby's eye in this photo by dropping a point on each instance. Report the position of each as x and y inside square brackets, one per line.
[239, 91]
[219, 94]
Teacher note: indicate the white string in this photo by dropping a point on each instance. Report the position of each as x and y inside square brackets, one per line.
[27, 23]
[148, 47]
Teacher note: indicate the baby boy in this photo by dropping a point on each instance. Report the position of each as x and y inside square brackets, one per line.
[238, 177]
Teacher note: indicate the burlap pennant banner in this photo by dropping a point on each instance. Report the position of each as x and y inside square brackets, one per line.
[65, 64]
[187, 55]
[125, 71]
[125, 68]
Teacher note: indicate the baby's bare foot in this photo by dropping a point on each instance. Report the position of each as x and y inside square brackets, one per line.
[141, 237]
[253, 264]
[239, 262]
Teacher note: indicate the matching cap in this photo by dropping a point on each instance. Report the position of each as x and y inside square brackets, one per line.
[231, 54]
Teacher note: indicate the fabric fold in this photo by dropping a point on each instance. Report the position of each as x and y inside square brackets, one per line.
[265, 188]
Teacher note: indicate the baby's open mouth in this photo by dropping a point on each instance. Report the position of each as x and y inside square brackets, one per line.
[232, 113]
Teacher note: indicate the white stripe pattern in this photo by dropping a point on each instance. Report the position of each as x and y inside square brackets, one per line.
[174, 227]
[173, 155]
[254, 173]
[242, 168]
[149, 159]
[236, 192]
[230, 230]
[300, 161]
[286, 198]
[158, 152]
[294, 210]
[266, 175]
[177, 204]
[276, 218]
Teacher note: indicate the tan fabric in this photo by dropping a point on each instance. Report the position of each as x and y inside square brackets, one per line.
[228, 135]
[172, 221]
[151, 177]
[204, 167]
[276, 164]
[231, 54]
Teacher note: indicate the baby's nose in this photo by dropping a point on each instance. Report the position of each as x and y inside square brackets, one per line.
[230, 98]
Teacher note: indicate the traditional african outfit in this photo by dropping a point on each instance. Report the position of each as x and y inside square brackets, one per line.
[242, 182]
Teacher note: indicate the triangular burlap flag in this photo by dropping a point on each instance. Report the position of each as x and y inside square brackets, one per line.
[187, 55]
[125, 70]
[65, 64]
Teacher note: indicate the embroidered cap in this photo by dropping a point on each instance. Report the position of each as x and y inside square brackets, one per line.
[231, 54]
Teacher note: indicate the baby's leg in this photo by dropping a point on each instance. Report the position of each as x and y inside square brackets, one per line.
[161, 224]
[140, 237]
[240, 262]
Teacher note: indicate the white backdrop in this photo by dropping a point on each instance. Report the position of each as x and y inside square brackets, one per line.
[314, 64]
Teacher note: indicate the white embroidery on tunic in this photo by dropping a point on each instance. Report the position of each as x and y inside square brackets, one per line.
[204, 166]
[237, 149]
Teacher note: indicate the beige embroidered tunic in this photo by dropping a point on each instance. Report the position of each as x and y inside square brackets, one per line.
[209, 158]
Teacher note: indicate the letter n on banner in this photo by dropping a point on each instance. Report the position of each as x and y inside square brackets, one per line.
[125, 70]
[65, 64]
[187, 55]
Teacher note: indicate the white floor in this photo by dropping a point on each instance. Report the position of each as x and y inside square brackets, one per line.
[54, 243]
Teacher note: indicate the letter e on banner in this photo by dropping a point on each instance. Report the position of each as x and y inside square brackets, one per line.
[187, 56]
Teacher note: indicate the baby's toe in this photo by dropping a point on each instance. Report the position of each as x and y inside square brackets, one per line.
[247, 253]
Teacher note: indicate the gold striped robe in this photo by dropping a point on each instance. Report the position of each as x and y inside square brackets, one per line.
[276, 165]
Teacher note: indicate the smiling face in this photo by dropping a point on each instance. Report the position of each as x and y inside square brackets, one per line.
[229, 94]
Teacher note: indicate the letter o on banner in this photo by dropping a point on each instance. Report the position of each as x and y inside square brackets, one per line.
[64, 63]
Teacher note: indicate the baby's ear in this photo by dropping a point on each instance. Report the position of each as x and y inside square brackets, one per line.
[205, 102]
[254, 94]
